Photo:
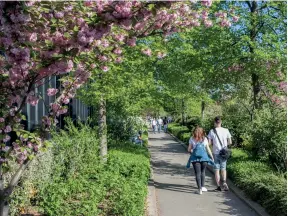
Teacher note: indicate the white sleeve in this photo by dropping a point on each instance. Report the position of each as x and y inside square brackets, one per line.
[210, 135]
[228, 134]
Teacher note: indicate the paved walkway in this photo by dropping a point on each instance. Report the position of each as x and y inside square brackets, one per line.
[176, 190]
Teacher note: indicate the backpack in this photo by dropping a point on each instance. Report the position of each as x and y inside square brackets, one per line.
[199, 150]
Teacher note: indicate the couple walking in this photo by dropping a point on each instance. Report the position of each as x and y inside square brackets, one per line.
[201, 154]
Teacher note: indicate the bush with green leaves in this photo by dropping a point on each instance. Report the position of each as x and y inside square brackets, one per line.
[123, 128]
[259, 182]
[178, 130]
[268, 136]
[193, 122]
[78, 183]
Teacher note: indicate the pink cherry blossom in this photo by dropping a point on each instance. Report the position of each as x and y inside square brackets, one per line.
[2, 119]
[235, 18]
[5, 149]
[206, 3]
[147, 52]
[32, 100]
[283, 86]
[204, 14]
[118, 60]
[59, 15]
[65, 100]
[117, 51]
[131, 42]
[208, 23]
[104, 68]
[36, 148]
[55, 107]
[62, 111]
[30, 145]
[52, 91]
[33, 37]
[46, 121]
[7, 129]
[7, 138]
[119, 37]
[195, 15]
[103, 58]
[105, 43]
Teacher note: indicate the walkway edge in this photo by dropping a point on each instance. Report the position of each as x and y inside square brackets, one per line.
[152, 209]
[240, 194]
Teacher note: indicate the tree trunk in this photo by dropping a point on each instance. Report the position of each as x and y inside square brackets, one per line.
[4, 206]
[102, 129]
[256, 90]
[202, 109]
[253, 34]
[5, 193]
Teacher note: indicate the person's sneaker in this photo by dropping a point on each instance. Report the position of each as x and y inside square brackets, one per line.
[225, 186]
[200, 191]
[218, 189]
[204, 189]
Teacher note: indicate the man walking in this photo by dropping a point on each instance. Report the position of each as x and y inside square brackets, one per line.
[220, 138]
[160, 123]
[154, 125]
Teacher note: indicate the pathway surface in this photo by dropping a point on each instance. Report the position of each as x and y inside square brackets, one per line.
[176, 189]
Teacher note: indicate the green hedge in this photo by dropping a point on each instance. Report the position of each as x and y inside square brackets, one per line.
[257, 179]
[77, 183]
[181, 132]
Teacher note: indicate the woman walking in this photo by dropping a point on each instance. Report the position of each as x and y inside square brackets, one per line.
[199, 148]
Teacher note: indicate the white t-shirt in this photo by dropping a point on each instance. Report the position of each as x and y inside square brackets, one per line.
[194, 142]
[160, 121]
[223, 134]
[154, 122]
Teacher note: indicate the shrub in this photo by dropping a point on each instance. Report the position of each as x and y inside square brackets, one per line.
[177, 130]
[193, 122]
[77, 183]
[131, 173]
[258, 181]
[269, 137]
[185, 137]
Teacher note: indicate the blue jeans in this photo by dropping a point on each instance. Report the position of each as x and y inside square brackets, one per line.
[154, 128]
[165, 128]
[159, 128]
[220, 163]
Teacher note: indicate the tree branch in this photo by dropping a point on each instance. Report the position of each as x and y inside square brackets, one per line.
[249, 4]
[15, 179]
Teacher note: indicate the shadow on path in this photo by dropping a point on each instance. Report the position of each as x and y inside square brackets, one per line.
[176, 187]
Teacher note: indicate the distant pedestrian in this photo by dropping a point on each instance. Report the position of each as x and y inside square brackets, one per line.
[165, 123]
[154, 125]
[160, 123]
[199, 148]
[220, 138]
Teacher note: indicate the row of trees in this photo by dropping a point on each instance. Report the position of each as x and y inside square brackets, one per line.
[247, 61]
[239, 73]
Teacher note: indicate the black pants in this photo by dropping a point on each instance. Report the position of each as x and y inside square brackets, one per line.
[199, 169]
